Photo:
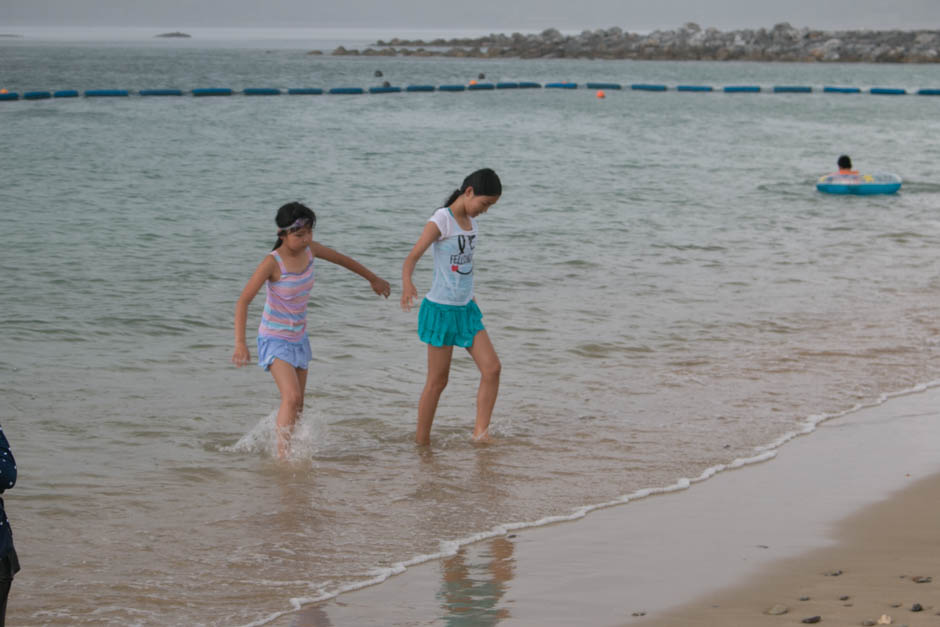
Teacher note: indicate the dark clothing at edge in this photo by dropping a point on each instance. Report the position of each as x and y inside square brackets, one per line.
[7, 481]
[9, 564]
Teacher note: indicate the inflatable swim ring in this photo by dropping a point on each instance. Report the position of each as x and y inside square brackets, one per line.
[859, 183]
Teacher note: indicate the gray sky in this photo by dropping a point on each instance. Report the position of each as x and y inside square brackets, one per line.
[486, 15]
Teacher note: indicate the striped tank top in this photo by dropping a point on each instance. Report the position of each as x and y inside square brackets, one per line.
[285, 307]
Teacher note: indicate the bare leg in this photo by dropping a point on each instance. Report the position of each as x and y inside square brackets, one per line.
[487, 361]
[302, 382]
[438, 371]
[292, 401]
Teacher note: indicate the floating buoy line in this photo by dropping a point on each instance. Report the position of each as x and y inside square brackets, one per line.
[600, 89]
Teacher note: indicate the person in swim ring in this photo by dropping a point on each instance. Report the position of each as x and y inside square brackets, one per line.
[845, 166]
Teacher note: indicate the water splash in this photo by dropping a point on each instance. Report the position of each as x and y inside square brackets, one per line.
[307, 440]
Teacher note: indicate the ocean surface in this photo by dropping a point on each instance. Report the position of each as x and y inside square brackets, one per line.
[668, 293]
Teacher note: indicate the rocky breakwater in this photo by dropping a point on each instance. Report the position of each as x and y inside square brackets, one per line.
[691, 42]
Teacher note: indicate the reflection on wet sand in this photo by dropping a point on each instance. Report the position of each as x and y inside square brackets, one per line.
[471, 590]
[468, 586]
[313, 616]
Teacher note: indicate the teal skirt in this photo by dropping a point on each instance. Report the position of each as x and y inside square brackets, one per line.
[449, 325]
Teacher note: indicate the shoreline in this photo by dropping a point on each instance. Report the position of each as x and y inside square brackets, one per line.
[622, 565]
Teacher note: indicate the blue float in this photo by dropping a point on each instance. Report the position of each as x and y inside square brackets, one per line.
[385, 90]
[507, 85]
[107, 93]
[887, 91]
[452, 88]
[261, 91]
[647, 87]
[862, 184]
[561, 85]
[305, 91]
[929, 92]
[529, 85]
[480, 86]
[742, 89]
[419, 88]
[161, 92]
[37, 95]
[792, 89]
[604, 86]
[841, 90]
[347, 91]
[212, 91]
[699, 88]
[10, 95]
[65, 93]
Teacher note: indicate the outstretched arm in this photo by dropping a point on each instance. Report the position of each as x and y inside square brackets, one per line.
[265, 269]
[408, 291]
[379, 286]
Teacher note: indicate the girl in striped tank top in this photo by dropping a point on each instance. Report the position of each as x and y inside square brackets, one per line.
[283, 346]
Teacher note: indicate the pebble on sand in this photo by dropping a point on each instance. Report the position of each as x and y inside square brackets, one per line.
[777, 610]
[812, 619]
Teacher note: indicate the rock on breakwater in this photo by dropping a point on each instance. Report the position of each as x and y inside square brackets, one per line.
[691, 42]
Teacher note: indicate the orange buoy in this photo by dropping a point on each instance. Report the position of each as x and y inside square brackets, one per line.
[472, 82]
[601, 94]
[4, 91]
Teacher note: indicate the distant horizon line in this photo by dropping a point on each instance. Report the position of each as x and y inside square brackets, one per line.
[280, 36]
[11, 28]
[15, 29]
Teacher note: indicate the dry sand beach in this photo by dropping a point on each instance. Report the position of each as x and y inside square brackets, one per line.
[857, 497]
[885, 567]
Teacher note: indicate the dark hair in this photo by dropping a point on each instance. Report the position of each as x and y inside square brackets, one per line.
[484, 183]
[290, 213]
[845, 163]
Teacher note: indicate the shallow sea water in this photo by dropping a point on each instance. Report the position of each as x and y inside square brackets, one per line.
[665, 288]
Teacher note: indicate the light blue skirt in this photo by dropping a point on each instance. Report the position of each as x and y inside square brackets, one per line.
[449, 325]
[297, 354]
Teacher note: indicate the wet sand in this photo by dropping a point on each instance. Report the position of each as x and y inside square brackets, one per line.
[886, 564]
[859, 495]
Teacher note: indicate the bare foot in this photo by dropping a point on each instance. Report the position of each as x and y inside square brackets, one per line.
[283, 442]
[482, 438]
